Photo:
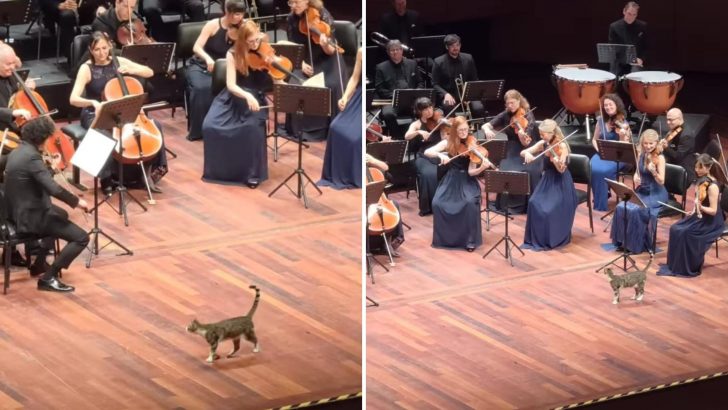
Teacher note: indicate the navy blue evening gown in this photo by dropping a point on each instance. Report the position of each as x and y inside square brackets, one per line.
[342, 160]
[456, 209]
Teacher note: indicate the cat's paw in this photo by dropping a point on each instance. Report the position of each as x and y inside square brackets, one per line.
[614, 302]
[256, 349]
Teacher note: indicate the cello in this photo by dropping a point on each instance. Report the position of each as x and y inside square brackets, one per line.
[383, 216]
[59, 145]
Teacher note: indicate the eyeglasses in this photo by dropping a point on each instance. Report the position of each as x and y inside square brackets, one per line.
[253, 42]
[294, 2]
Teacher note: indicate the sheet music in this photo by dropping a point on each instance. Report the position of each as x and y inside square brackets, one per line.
[315, 81]
[93, 152]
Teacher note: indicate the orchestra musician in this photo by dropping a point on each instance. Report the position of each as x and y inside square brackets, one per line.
[650, 181]
[215, 39]
[109, 21]
[342, 159]
[691, 237]
[456, 205]
[518, 123]
[451, 66]
[678, 145]
[424, 132]
[87, 94]
[629, 30]
[552, 205]
[394, 237]
[235, 148]
[611, 125]
[396, 73]
[400, 23]
[318, 57]
[153, 9]
[65, 14]
[29, 186]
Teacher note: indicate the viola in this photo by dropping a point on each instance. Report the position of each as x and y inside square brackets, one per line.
[384, 216]
[312, 26]
[9, 141]
[433, 122]
[374, 133]
[132, 32]
[476, 152]
[58, 144]
[672, 134]
[265, 58]
[519, 122]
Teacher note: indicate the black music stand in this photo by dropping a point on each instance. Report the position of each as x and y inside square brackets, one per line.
[374, 191]
[616, 55]
[482, 91]
[293, 52]
[404, 99]
[625, 194]
[391, 152]
[114, 114]
[12, 13]
[157, 56]
[300, 100]
[621, 152]
[496, 152]
[428, 48]
[100, 150]
[506, 183]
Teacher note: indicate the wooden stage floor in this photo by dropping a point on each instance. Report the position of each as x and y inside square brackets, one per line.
[457, 331]
[120, 342]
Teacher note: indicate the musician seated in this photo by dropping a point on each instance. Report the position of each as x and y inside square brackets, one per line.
[396, 73]
[400, 24]
[109, 21]
[63, 13]
[451, 66]
[87, 94]
[153, 10]
[678, 145]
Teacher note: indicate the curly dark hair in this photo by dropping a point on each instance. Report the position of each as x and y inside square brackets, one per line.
[37, 130]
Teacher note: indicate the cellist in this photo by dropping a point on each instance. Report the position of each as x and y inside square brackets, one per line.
[8, 86]
[87, 94]
[396, 236]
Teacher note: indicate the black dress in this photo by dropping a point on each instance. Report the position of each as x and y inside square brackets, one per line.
[456, 209]
[426, 173]
[234, 136]
[199, 81]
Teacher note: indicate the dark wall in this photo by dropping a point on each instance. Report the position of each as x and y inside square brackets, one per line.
[683, 36]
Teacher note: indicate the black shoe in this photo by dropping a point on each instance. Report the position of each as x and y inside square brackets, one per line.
[470, 249]
[16, 259]
[191, 138]
[54, 285]
[36, 269]
[252, 184]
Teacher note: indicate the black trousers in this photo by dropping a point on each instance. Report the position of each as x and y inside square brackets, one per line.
[66, 20]
[389, 116]
[153, 9]
[57, 225]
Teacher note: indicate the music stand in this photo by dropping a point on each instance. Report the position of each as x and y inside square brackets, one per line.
[625, 194]
[300, 101]
[621, 152]
[616, 55]
[391, 152]
[293, 52]
[91, 155]
[482, 91]
[404, 99]
[506, 183]
[157, 56]
[496, 152]
[12, 13]
[427, 48]
[114, 114]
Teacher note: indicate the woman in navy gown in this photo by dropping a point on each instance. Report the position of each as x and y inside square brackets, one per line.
[342, 160]
[552, 205]
[615, 128]
[692, 236]
[516, 106]
[215, 39]
[456, 205]
[234, 128]
[650, 181]
[422, 135]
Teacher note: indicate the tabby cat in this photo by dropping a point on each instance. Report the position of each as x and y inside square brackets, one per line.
[634, 279]
[233, 329]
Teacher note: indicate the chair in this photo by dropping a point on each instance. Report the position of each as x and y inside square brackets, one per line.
[581, 174]
[724, 206]
[346, 36]
[218, 76]
[676, 183]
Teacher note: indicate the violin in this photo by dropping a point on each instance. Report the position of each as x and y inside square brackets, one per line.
[58, 144]
[672, 134]
[9, 141]
[265, 58]
[312, 26]
[701, 192]
[384, 216]
[519, 122]
[374, 133]
[433, 122]
[132, 31]
[476, 152]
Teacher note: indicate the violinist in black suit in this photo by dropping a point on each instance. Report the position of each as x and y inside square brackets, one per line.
[28, 187]
[451, 66]
[394, 74]
[678, 146]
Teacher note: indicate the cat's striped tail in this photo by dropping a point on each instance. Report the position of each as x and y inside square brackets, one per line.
[255, 303]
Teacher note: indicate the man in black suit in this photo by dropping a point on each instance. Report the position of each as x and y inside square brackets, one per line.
[629, 30]
[449, 66]
[28, 187]
[396, 73]
[109, 20]
[153, 10]
[400, 24]
[680, 150]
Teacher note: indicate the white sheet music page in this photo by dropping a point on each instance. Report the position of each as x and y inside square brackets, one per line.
[93, 152]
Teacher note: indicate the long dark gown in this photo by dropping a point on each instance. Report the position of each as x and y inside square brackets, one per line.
[342, 160]
[689, 239]
[551, 210]
[234, 136]
[426, 173]
[456, 209]
[641, 222]
[514, 162]
[199, 81]
[601, 169]
[336, 75]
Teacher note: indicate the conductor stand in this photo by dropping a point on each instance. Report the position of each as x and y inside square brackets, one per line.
[481, 91]
[625, 194]
[91, 156]
[621, 152]
[300, 100]
[293, 52]
[113, 115]
[506, 183]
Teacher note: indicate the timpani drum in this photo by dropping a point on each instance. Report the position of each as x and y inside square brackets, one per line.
[581, 88]
[652, 92]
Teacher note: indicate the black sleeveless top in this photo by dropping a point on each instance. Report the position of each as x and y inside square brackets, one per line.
[216, 46]
[100, 75]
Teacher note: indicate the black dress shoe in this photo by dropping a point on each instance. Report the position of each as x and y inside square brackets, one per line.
[36, 269]
[470, 249]
[54, 285]
[16, 259]
[252, 184]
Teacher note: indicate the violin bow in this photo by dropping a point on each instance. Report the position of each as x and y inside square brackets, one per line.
[443, 120]
[722, 156]
[551, 148]
[131, 30]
